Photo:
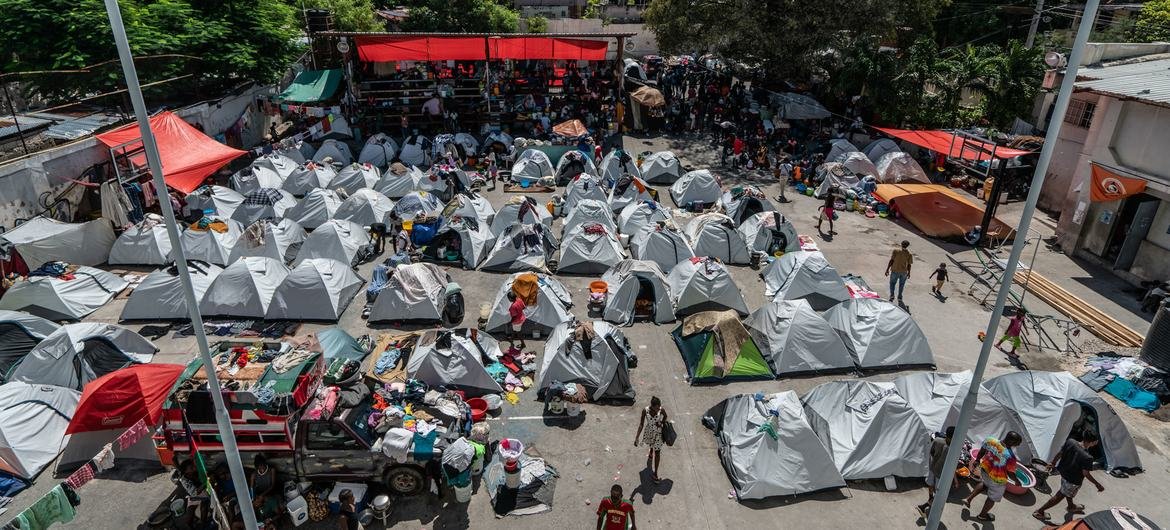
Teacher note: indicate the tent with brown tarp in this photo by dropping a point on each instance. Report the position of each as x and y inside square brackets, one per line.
[571, 129]
[648, 96]
[939, 211]
[717, 348]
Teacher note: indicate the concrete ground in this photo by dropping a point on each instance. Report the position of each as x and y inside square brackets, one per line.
[595, 451]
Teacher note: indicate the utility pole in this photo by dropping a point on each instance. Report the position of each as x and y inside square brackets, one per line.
[1035, 25]
[231, 451]
[1009, 271]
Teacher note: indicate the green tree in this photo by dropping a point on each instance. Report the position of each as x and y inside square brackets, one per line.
[1017, 74]
[1153, 23]
[537, 24]
[350, 15]
[472, 16]
[960, 68]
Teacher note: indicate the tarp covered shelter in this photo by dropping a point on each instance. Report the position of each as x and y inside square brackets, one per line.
[385, 48]
[460, 240]
[804, 275]
[418, 204]
[244, 289]
[662, 244]
[378, 150]
[514, 249]
[952, 145]
[571, 129]
[592, 354]
[1054, 405]
[336, 151]
[219, 200]
[714, 235]
[703, 284]
[700, 186]
[742, 202]
[584, 187]
[547, 303]
[79, 353]
[715, 348]
[880, 334]
[632, 283]
[571, 164]
[398, 180]
[589, 248]
[869, 429]
[629, 189]
[355, 176]
[334, 343]
[898, 167]
[113, 403]
[278, 240]
[365, 207]
[160, 295]
[648, 96]
[209, 243]
[335, 239]
[19, 333]
[318, 206]
[796, 340]
[311, 86]
[761, 465]
[316, 289]
[188, 156]
[59, 299]
[309, 176]
[938, 211]
[524, 209]
[879, 148]
[415, 292]
[33, 420]
[617, 163]
[145, 243]
[264, 203]
[795, 106]
[769, 232]
[661, 167]
[454, 358]
[641, 214]
[42, 239]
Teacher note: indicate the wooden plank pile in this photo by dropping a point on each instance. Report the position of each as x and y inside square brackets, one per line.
[1096, 321]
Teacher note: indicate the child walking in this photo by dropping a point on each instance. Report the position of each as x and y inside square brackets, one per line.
[1014, 330]
[940, 276]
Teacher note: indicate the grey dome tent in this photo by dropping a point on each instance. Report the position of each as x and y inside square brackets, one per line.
[210, 245]
[514, 249]
[468, 143]
[415, 151]
[838, 148]
[531, 165]
[858, 164]
[582, 187]
[398, 180]
[318, 206]
[617, 163]
[571, 164]
[716, 348]
[897, 167]
[631, 281]
[629, 189]
[355, 177]
[33, 420]
[316, 289]
[521, 209]
[365, 207]
[269, 171]
[714, 235]
[309, 176]
[57, 299]
[434, 180]
[641, 214]
[761, 465]
[244, 289]
[879, 334]
[548, 303]
[378, 151]
[742, 202]
[461, 240]
[804, 275]
[661, 168]
[470, 205]
[937, 398]
[589, 249]
[870, 430]
[589, 211]
[281, 165]
[1052, 405]
[160, 295]
[145, 243]
[769, 232]
[336, 239]
[879, 148]
[20, 332]
[699, 186]
[219, 200]
[591, 354]
[703, 284]
[835, 174]
[79, 353]
[336, 151]
[663, 244]
[414, 292]
[418, 204]
[297, 150]
[796, 340]
[278, 240]
[264, 203]
[454, 358]
[41, 240]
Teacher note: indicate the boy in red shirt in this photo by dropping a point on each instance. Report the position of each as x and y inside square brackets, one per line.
[613, 511]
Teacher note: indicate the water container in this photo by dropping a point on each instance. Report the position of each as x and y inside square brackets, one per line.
[512, 478]
[463, 493]
[1156, 347]
[298, 510]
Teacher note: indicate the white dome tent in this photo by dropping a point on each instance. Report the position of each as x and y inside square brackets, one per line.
[415, 292]
[307, 177]
[769, 232]
[453, 358]
[699, 186]
[244, 289]
[270, 239]
[145, 243]
[336, 151]
[470, 205]
[641, 214]
[663, 244]
[418, 204]
[879, 148]
[583, 187]
[415, 151]
[532, 164]
[355, 177]
[364, 207]
[617, 163]
[209, 244]
[335, 239]
[318, 206]
[219, 200]
[264, 203]
[742, 202]
[631, 281]
[796, 340]
[378, 151]
[703, 284]
[571, 164]
[160, 295]
[398, 180]
[661, 167]
[879, 334]
[316, 289]
[898, 167]
[513, 250]
[589, 211]
[469, 238]
[804, 275]
[599, 364]
[714, 235]
[627, 190]
[79, 353]
[33, 420]
[57, 299]
[589, 248]
[522, 209]
[838, 148]
[858, 164]
[547, 304]
[468, 143]
[297, 151]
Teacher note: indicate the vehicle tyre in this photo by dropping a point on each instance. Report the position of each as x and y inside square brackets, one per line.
[406, 480]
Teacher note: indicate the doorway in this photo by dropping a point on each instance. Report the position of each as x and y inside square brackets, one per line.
[1133, 222]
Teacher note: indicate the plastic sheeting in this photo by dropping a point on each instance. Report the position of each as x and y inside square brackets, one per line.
[954, 146]
[939, 211]
[312, 85]
[897, 167]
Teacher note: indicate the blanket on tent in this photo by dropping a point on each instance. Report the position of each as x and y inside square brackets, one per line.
[422, 284]
[729, 335]
[526, 287]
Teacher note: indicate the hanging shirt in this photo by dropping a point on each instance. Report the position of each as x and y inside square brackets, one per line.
[53, 508]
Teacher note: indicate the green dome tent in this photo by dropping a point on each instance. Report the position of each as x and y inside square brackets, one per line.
[716, 347]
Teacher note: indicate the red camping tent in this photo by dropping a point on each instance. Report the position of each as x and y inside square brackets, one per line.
[188, 156]
[120, 398]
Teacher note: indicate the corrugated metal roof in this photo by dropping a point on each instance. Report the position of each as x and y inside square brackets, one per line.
[8, 127]
[70, 128]
[1152, 65]
[1147, 81]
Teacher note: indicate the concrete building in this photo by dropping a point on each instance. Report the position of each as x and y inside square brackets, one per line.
[612, 10]
[1117, 122]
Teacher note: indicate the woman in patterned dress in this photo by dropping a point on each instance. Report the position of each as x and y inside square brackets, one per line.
[650, 433]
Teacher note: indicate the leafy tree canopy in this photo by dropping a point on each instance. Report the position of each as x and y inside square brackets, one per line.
[349, 15]
[470, 16]
[1153, 23]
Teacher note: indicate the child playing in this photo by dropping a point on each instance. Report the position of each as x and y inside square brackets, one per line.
[940, 276]
[1014, 330]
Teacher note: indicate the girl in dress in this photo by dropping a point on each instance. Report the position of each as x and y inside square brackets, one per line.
[650, 433]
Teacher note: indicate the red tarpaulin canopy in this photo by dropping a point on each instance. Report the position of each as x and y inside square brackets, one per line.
[547, 48]
[188, 156]
[120, 398]
[954, 146]
[383, 48]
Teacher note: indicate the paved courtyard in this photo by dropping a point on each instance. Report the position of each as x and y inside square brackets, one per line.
[594, 451]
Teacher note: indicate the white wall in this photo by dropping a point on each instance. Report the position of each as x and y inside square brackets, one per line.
[24, 180]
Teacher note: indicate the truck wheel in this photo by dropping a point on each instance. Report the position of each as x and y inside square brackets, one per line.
[406, 480]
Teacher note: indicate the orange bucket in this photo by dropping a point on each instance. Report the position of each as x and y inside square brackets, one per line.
[598, 286]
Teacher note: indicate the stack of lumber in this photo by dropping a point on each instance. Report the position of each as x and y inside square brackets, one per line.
[1093, 319]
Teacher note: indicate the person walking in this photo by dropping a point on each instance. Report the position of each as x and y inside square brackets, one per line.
[940, 278]
[827, 211]
[996, 460]
[516, 313]
[1014, 331]
[650, 433]
[613, 512]
[938, 455]
[1074, 464]
[898, 269]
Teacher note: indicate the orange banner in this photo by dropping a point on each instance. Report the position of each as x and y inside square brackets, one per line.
[1110, 186]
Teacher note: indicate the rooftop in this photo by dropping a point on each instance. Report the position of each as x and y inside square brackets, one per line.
[1145, 79]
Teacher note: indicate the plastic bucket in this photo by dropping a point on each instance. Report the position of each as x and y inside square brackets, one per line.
[463, 493]
[572, 409]
[478, 408]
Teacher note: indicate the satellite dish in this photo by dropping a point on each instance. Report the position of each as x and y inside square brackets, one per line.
[343, 46]
[1055, 59]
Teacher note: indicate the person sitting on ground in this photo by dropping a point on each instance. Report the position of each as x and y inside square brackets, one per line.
[265, 494]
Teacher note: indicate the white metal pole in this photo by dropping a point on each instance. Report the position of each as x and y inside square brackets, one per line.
[1050, 138]
[154, 162]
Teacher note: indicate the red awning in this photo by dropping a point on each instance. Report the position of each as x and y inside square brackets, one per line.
[547, 48]
[945, 142]
[383, 48]
[188, 156]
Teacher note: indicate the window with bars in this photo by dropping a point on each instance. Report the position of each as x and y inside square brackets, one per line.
[1080, 113]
